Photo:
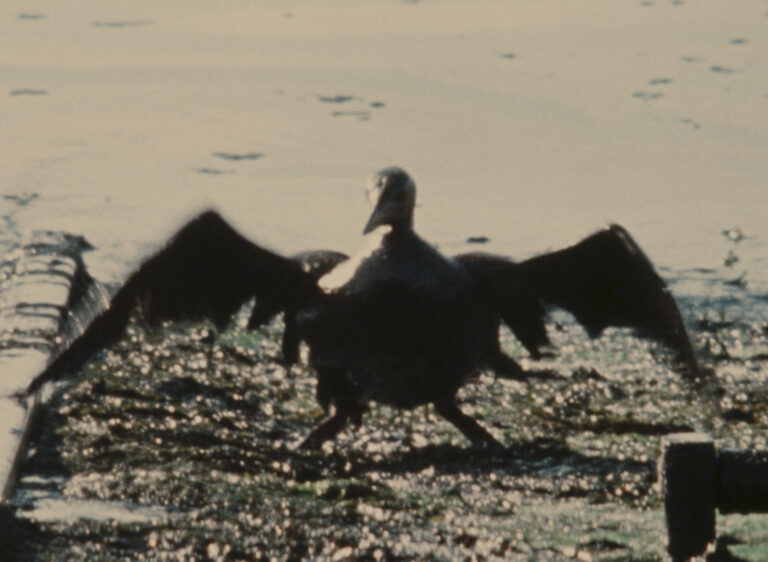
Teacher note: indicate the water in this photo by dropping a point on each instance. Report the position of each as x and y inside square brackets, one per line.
[71, 510]
[529, 123]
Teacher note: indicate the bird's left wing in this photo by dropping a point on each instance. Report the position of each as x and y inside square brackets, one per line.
[517, 302]
[604, 280]
[207, 270]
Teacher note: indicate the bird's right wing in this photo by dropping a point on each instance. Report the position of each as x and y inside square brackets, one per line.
[207, 270]
[315, 263]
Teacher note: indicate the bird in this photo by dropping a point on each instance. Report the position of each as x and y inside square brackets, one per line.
[398, 322]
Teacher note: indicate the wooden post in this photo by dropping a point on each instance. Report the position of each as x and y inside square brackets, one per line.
[742, 481]
[696, 479]
[687, 469]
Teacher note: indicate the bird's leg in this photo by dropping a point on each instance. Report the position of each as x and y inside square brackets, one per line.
[207, 336]
[467, 425]
[291, 339]
[506, 367]
[333, 387]
[328, 429]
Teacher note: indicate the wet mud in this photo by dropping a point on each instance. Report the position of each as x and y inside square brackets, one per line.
[181, 445]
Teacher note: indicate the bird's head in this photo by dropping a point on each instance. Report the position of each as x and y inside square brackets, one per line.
[393, 196]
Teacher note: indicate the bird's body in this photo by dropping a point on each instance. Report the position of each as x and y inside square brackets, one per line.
[409, 326]
[398, 323]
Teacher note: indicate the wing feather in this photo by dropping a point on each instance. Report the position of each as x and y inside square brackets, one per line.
[604, 280]
[315, 263]
[517, 303]
[207, 270]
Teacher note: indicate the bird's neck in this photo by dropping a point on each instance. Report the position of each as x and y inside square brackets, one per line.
[400, 236]
[402, 226]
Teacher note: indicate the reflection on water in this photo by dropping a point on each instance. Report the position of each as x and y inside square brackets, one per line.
[41, 500]
[70, 510]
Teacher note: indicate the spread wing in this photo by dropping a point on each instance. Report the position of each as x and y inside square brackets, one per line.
[207, 270]
[315, 263]
[604, 280]
[517, 302]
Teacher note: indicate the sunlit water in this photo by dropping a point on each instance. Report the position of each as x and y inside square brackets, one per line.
[530, 123]
[56, 508]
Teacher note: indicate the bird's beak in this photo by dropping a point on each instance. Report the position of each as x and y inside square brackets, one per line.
[378, 218]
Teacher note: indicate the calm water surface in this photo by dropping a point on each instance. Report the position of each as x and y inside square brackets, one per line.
[531, 123]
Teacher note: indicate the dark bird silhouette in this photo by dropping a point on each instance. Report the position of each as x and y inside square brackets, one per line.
[398, 323]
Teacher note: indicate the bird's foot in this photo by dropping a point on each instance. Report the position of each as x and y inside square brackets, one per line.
[489, 444]
[328, 429]
[468, 426]
[310, 443]
[507, 368]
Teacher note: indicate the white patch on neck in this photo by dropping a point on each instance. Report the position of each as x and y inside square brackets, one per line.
[342, 273]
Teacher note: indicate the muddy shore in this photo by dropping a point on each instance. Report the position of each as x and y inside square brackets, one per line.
[176, 445]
